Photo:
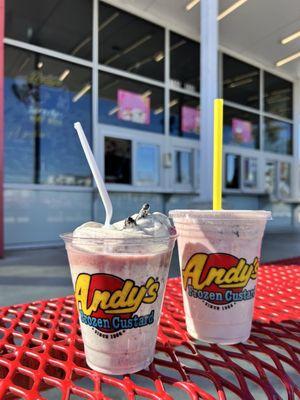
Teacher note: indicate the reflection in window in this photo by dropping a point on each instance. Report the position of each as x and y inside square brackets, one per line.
[240, 82]
[241, 128]
[117, 160]
[250, 173]
[232, 175]
[284, 186]
[278, 136]
[183, 167]
[184, 62]
[184, 115]
[64, 25]
[270, 177]
[43, 98]
[131, 104]
[130, 43]
[278, 96]
[147, 162]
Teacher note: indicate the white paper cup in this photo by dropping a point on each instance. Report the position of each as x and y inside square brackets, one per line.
[219, 254]
[119, 287]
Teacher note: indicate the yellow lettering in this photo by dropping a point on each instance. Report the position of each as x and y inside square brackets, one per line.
[235, 277]
[193, 270]
[121, 301]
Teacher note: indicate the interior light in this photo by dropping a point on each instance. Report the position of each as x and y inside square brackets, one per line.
[288, 59]
[240, 83]
[230, 9]
[82, 92]
[113, 110]
[159, 110]
[64, 74]
[147, 94]
[173, 103]
[40, 64]
[289, 38]
[191, 4]
[159, 56]
[128, 49]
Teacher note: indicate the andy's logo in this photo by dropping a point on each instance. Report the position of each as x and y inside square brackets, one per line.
[218, 273]
[104, 296]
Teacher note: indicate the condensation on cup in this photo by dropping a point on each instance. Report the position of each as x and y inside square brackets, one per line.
[219, 253]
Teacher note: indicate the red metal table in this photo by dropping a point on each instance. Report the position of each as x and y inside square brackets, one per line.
[41, 352]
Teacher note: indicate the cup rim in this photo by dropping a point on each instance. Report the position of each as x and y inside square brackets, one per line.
[68, 236]
[188, 215]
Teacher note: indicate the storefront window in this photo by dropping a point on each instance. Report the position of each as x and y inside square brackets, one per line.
[147, 164]
[130, 104]
[240, 82]
[278, 96]
[241, 128]
[118, 156]
[184, 62]
[284, 186]
[183, 167]
[250, 173]
[43, 98]
[64, 25]
[130, 43]
[270, 177]
[233, 170]
[184, 115]
[278, 136]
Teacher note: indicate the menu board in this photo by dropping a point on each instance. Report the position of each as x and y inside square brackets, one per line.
[190, 119]
[242, 131]
[133, 107]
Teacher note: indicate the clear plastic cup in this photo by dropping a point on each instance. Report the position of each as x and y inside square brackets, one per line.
[119, 286]
[219, 254]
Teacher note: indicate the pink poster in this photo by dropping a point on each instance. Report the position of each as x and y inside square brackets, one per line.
[242, 130]
[190, 119]
[133, 107]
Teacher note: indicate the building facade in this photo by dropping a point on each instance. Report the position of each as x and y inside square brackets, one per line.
[134, 83]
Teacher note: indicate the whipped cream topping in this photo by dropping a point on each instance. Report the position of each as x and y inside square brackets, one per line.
[142, 224]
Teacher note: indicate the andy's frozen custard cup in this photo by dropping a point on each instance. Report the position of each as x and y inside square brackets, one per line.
[219, 254]
[119, 276]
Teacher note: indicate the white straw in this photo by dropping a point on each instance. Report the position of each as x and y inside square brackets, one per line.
[96, 173]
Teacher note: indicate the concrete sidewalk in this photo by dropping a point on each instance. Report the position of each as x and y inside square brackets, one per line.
[27, 275]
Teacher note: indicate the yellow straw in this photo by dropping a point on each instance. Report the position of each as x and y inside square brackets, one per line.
[218, 153]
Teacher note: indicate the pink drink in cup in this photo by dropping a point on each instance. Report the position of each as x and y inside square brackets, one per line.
[219, 255]
[119, 275]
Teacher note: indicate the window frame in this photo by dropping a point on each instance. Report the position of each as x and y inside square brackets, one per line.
[167, 143]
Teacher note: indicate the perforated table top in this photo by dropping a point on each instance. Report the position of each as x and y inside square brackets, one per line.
[41, 352]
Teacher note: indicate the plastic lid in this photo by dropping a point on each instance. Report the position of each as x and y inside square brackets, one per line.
[220, 214]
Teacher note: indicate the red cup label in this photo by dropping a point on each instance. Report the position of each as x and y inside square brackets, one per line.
[219, 279]
[109, 304]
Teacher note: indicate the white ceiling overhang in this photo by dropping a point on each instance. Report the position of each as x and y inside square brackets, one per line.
[254, 30]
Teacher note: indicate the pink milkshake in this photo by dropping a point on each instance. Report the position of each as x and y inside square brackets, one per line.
[219, 255]
[119, 276]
